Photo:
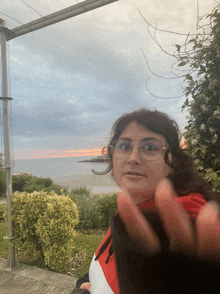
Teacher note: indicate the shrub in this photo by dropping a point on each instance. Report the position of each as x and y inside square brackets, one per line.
[18, 182]
[87, 205]
[2, 211]
[33, 184]
[203, 129]
[44, 226]
[107, 208]
[29, 184]
[88, 213]
[81, 191]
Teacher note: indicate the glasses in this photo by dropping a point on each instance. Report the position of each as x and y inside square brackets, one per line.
[149, 149]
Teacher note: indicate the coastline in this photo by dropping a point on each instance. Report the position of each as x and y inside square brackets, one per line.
[95, 183]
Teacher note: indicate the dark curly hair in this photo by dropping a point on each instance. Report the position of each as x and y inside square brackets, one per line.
[183, 176]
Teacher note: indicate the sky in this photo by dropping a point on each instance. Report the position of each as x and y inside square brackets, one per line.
[72, 80]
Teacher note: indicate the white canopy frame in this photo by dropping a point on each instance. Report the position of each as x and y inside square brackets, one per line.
[7, 35]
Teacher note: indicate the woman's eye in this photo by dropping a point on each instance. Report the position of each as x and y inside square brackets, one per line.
[150, 147]
[124, 146]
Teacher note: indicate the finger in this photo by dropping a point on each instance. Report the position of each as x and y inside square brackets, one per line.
[175, 219]
[86, 286]
[208, 232]
[136, 225]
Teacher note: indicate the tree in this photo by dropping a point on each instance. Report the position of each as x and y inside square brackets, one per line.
[203, 129]
[203, 79]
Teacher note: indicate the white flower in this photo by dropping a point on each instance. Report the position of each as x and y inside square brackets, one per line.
[216, 112]
[194, 141]
[211, 130]
[214, 141]
[208, 170]
[204, 108]
[202, 127]
[200, 167]
[215, 136]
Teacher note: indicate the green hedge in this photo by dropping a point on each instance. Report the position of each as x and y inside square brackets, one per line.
[2, 211]
[95, 211]
[44, 226]
[107, 208]
[29, 184]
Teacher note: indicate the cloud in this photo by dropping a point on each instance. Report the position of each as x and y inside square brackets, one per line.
[16, 60]
[72, 80]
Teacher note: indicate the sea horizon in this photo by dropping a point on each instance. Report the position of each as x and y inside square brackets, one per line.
[69, 173]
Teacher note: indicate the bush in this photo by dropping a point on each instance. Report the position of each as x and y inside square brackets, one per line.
[33, 184]
[107, 208]
[44, 226]
[202, 131]
[78, 192]
[95, 212]
[88, 212]
[2, 211]
[18, 182]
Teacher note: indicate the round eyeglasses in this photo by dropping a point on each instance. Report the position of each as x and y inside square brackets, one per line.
[149, 149]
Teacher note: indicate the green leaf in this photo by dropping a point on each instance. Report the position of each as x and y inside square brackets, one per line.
[182, 63]
[178, 47]
[189, 77]
[202, 68]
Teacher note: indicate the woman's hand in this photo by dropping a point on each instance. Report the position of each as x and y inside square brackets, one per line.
[86, 286]
[204, 241]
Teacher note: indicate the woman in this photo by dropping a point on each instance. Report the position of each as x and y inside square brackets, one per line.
[156, 177]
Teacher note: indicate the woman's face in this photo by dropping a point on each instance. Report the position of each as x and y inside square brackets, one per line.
[141, 187]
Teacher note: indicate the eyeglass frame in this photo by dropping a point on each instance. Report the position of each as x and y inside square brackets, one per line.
[163, 147]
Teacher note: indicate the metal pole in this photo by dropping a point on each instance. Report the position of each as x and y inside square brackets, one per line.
[7, 35]
[12, 261]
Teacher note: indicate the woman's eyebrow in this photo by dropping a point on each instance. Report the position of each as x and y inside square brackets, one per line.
[152, 138]
[147, 139]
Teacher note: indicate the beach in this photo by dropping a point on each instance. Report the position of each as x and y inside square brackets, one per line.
[95, 183]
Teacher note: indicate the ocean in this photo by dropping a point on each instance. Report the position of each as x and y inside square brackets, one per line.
[70, 173]
[55, 167]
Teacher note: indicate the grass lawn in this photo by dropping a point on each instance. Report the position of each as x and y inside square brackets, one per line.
[85, 246]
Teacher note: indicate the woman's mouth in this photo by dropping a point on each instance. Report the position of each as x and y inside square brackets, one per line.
[134, 175]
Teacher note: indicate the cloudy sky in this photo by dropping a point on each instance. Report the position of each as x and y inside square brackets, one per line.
[72, 80]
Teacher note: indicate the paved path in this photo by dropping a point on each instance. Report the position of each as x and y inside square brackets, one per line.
[30, 280]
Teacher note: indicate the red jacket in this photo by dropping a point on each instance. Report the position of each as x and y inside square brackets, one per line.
[102, 273]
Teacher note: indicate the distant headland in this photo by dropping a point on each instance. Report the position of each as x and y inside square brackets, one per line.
[96, 159]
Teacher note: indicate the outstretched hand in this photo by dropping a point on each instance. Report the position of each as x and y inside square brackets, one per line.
[203, 241]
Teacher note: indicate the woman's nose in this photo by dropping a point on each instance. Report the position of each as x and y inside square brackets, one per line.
[134, 156]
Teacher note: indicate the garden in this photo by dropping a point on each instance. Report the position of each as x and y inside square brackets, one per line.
[58, 231]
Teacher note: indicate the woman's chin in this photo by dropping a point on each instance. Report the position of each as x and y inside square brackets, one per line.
[140, 195]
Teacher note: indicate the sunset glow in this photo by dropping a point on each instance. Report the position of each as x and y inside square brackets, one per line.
[183, 143]
[32, 154]
[82, 152]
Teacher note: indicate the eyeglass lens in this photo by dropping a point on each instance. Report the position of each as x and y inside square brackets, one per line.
[150, 150]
